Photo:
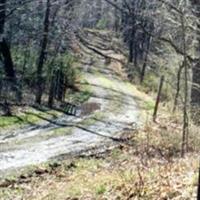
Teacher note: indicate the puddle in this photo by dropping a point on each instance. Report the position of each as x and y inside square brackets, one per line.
[89, 108]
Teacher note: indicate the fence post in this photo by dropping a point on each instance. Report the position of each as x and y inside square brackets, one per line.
[158, 98]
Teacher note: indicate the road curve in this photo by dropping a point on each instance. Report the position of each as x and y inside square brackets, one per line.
[37, 144]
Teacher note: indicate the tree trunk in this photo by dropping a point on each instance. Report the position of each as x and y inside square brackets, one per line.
[145, 60]
[178, 87]
[195, 93]
[7, 60]
[99, 11]
[135, 53]
[117, 19]
[185, 106]
[195, 96]
[131, 44]
[51, 91]
[158, 98]
[42, 55]
[4, 47]
[60, 85]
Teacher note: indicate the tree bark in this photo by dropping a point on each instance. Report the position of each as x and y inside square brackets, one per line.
[51, 91]
[185, 106]
[195, 93]
[7, 60]
[117, 20]
[195, 96]
[145, 60]
[42, 55]
[158, 98]
[4, 47]
[131, 45]
[178, 87]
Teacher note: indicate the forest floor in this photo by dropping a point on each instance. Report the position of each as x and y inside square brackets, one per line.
[130, 162]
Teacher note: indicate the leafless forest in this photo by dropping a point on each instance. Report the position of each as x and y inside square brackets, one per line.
[99, 99]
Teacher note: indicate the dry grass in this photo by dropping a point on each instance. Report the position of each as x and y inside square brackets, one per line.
[148, 167]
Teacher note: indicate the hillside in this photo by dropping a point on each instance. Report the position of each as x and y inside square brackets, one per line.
[110, 150]
[113, 105]
[99, 100]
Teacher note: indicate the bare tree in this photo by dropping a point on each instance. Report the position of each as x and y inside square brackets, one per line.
[4, 48]
[42, 54]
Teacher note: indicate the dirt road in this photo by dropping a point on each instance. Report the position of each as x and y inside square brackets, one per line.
[73, 134]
